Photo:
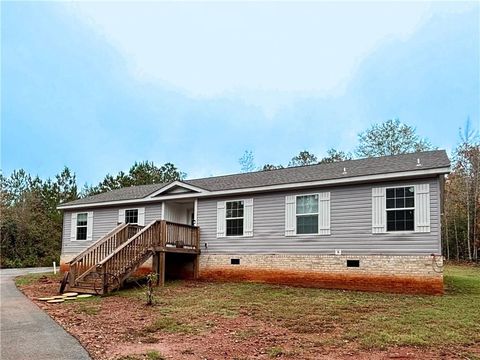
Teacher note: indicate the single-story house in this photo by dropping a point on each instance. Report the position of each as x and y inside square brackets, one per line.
[367, 224]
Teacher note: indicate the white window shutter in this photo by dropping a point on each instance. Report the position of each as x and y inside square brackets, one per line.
[89, 225]
[422, 208]
[290, 216]
[73, 227]
[141, 216]
[324, 213]
[121, 216]
[221, 219]
[378, 210]
[248, 217]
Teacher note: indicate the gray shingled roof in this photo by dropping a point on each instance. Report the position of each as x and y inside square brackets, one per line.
[361, 167]
[127, 193]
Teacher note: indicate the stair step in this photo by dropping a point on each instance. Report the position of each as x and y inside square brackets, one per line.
[89, 281]
[90, 277]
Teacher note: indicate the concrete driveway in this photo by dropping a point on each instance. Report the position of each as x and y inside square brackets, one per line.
[26, 331]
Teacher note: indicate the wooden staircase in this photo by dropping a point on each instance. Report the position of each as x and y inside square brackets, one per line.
[105, 265]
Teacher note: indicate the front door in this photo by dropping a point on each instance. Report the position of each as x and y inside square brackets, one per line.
[191, 217]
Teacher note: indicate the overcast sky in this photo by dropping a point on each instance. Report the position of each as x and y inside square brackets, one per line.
[97, 86]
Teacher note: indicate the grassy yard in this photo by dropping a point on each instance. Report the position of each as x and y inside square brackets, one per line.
[375, 320]
[293, 322]
[29, 279]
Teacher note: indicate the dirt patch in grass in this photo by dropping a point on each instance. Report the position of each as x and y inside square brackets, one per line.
[202, 320]
[381, 283]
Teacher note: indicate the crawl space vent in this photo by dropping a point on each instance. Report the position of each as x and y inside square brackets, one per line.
[235, 261]
[353, 263]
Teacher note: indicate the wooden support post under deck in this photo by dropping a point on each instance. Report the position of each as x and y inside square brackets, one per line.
[196, 265]
[155, 264]
[161, 270]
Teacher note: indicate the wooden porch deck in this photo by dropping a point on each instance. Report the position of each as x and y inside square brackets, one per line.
[106, 264]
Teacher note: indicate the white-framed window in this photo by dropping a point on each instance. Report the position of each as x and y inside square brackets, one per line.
[234, 218]
[404, 208]
[82, 225]
[400, 208]
[307, 214]
[131, 216]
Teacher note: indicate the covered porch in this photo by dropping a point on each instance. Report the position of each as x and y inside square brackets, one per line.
[180, 211]
[179, 258]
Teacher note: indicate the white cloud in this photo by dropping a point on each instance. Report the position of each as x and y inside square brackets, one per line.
[208, 49]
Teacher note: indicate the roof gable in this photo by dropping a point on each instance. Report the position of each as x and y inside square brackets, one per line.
[177, 187]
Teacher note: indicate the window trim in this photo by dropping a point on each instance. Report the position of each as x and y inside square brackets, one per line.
[309, 214]
[404, 208]
[235, 218]
[77, 226]
[125, 215]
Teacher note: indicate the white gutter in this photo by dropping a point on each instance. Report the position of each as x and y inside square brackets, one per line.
[348, 180]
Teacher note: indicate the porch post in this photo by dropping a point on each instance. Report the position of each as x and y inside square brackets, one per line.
[161, 272]
[155, 265]
[195, 208]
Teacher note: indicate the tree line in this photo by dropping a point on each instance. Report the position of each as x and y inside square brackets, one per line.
[31, 225]
[461, 213]
[391, 137]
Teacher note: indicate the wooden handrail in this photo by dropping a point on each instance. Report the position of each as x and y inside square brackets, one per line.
[182, 225]
[97, 243]
[119, 264]
[125, 244]
[86, 261]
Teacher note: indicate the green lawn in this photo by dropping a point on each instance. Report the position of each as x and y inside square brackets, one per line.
[31, 278]
[306, 319]
[372, 320]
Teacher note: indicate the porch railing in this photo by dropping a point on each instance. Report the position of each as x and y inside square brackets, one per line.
[182, 235]
[158, 235]
[90, 257]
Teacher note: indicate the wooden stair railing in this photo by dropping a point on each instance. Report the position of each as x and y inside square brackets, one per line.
[86, 261]
[106, 264]
[159, 234]
[130, 255]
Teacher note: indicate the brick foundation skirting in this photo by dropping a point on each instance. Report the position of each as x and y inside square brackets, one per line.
[402, 274]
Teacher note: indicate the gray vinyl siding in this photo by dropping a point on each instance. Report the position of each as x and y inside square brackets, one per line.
[104, 220]
[350, 224]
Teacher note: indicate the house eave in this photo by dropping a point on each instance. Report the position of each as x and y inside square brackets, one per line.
[303, 185]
